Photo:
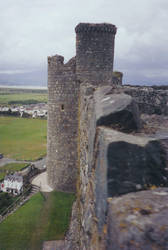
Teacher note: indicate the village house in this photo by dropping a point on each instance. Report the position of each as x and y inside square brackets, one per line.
[13, 183]
[4, 109]
[33, 110]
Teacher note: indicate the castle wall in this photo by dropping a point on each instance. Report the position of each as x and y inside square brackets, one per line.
[95, 52]
[110, 163]
[62, 124]
[86, 198]
[104, 173]
[151, 100]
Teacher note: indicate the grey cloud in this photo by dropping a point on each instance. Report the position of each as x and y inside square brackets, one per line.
[32, 30]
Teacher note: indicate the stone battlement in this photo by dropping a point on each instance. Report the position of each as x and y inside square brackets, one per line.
[57, 63]
[57, 59]
[92, 27]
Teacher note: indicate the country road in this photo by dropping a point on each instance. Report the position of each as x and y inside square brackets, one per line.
[38, 163]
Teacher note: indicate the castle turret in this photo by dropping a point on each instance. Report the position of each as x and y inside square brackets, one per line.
[93, 64]
[62, 124]
[95, 52]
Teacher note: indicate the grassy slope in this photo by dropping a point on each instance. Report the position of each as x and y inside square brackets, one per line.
[23, 139]
[4, 99]
[38, 220]
[11, 167]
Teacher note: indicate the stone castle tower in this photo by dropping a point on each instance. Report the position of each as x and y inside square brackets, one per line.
[95, 52]
[93, 64]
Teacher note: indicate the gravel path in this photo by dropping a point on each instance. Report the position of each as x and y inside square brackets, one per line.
[41, 181]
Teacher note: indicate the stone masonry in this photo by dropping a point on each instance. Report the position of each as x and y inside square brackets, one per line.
[93, 63]
[62, 123]
[95, 53]
[108, 143]
[114, 164]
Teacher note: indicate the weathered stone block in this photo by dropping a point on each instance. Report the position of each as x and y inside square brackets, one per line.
[138, 221]
[118, 111]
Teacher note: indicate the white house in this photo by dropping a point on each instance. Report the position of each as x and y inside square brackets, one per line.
[14, 109]
[4, 109]
[12, 183]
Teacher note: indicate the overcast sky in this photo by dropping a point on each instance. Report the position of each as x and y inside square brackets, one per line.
[31, 30]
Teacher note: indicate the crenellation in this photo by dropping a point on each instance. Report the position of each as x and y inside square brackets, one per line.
[94, 63]
[96, 27]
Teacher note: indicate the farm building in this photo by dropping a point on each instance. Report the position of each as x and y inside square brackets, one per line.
[12, 183]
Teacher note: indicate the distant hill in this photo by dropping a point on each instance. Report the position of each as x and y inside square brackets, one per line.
[36, 78]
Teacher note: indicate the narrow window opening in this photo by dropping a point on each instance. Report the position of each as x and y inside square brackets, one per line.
[62, 107]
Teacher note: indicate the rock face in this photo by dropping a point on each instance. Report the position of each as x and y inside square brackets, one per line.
[138, 221]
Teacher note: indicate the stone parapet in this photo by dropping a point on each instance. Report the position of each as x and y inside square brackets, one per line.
[96, 27]
[150, 99]
[112, 163]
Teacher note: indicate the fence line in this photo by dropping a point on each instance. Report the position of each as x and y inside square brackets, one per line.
[17, 203]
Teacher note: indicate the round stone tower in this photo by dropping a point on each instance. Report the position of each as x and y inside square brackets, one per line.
[62, 124]
[93, 64]
[95, 52]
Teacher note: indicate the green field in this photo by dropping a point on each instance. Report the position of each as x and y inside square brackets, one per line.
[11, 167]
[23, 139]
[44, 217]
[20, 96]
